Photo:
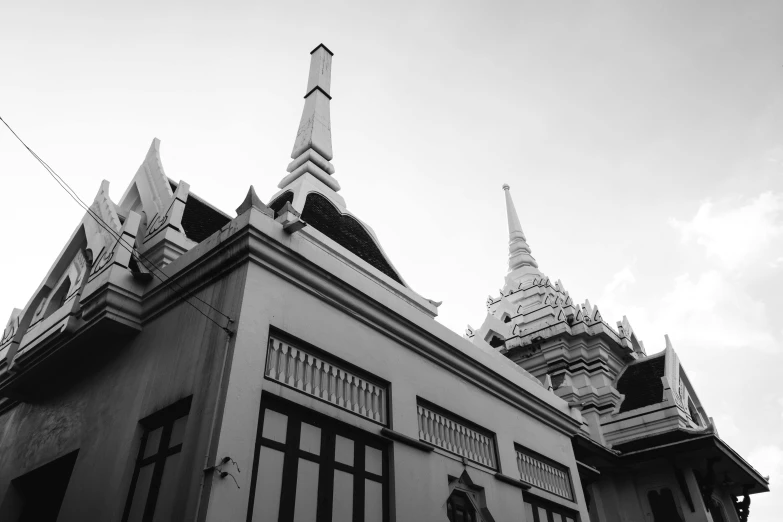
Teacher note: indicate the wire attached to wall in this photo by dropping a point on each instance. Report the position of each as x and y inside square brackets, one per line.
[138, 256]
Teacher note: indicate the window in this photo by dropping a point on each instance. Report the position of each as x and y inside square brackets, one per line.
[456, 435]
[538, 510]
[155, 476]
[309, 467]
[38, 495]
[663, 506]
[459, 508]
[308, 370]
[544, 473]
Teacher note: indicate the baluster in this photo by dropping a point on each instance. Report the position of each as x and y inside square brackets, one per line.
[332, 384]
[379, 403]
[341, 399]
[316, 377]
[271, 363]
[299, 370]
[284, 349]
[355, 389]
[309, 374]
[290, 374]
[486, 450]
[471, 446]
[463, 439]
[363, 396]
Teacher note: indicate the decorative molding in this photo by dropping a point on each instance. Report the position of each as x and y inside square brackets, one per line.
[311, 374]
[543, 475]
[512, 481]
[399, 437]
[456, 437]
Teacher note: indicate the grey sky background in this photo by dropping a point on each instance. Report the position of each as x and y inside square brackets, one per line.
[643, 142]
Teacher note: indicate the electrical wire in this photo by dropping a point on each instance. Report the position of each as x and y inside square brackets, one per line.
[138, 256]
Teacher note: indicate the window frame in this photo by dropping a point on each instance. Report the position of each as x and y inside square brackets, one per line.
[341, 364]
[330, 428]
[561, 467]
[550, 508]
[459, 493]
[457, 419]
[165, 419]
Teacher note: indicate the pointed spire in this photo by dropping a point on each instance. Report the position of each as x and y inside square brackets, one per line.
[313, 146]
[519, 255]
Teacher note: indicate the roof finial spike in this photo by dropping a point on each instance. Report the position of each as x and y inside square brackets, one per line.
[519, 255]
[312, 151]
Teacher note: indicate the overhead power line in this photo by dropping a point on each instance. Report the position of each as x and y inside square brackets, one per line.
[154, 270]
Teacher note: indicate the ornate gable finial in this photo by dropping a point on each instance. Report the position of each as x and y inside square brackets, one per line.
[312, 151]
[519, 255]
[253, 201]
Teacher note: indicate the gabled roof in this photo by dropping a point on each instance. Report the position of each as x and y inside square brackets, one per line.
[346, 232]
[200, 219]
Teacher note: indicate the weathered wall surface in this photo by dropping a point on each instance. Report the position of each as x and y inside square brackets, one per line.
[177, 354]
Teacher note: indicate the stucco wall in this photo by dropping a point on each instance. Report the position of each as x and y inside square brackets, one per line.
[420, 480]
[177, 354]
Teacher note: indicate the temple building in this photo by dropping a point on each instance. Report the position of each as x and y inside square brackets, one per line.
[178, 363]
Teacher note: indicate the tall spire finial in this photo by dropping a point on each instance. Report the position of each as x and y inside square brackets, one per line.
[518, 250]
[313, 146]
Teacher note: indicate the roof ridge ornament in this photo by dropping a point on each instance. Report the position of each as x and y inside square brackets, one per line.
[519, 253]
[312, 152]
[253, 201]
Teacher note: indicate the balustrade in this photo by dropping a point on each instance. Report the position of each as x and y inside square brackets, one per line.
[543, 475]
[312, 375]
[455, 437]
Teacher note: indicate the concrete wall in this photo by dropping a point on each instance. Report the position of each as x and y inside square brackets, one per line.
[98, 410]
[180, 353]
[420, 480]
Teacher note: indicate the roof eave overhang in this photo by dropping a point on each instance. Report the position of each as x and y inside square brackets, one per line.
[708, 446]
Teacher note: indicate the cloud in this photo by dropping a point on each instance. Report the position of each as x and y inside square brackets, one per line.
[620, 281]
[768, 460]
[734, 236]
[714, 311]
[727, 428]
[708, 311]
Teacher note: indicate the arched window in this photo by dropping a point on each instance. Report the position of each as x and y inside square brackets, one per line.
[58, 298]
[460, 509]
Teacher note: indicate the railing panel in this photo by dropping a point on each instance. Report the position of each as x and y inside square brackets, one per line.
[456, 437]
[311, 374]
[544, 475]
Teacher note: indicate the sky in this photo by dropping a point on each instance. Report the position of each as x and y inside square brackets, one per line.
[643, 143]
